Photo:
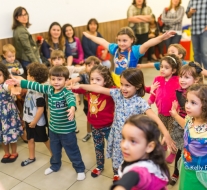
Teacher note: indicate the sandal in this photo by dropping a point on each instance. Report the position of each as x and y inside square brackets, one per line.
[12, 158]
[5, 158]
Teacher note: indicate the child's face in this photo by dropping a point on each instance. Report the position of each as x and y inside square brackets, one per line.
[58, 61]
[134, 144]
[9, 56]
[29, 77]
[193, 105]
[58, 83]
[186, 80]
[174, 50]
[1, 77]
[69, 32]
[127, 89]
[166, 70]
[124, 42]
[89, 67]
[97, 78]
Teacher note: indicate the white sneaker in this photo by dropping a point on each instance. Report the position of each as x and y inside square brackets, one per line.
[81, 176]
[48, 171]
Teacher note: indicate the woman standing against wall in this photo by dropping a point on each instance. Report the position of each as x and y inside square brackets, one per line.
[172, 18]
[139, 16]
[26, 48]
[90, 47]
[56, 41]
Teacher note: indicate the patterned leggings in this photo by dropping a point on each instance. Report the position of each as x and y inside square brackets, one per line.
[167, 121]
[98, 138]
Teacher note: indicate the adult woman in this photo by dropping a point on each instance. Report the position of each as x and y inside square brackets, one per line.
[172, 18]
[139, 16]
[74, 43]
[54, 41]
[90, 47]
[26, 47]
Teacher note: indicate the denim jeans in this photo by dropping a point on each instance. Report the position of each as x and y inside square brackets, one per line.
[199, 48]
[173, 40]
[69, 143]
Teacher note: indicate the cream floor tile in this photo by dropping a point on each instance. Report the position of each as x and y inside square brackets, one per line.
[60, 180]
[7, 181]
[17, 171]
[23, 186]
[99, 183]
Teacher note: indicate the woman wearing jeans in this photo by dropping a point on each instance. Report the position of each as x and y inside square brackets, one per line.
[172, 18]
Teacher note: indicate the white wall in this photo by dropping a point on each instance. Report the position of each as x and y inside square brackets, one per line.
[77, 12]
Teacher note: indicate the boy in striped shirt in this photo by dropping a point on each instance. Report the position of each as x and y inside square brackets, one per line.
[62, 124]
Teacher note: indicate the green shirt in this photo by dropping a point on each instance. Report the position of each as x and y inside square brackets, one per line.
[58, 104]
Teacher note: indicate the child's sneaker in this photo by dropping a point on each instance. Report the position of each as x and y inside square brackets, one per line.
[116, 178]
[81, 176]
[87, 137]
[48, 171]
[96, 172]
[173, 179]
[171, 158]
[27, 161]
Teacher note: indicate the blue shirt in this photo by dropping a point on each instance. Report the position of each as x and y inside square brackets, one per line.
[125, 59]
[157, 64]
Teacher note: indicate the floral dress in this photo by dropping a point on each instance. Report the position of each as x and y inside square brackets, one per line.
[10, 125]
[124, 108]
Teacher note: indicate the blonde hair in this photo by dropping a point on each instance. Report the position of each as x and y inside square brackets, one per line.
[180, 48]
[8, 47]
[57, 53]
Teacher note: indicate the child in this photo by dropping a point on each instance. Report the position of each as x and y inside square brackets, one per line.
[13, 65]
[189, 74]
[126, 55]
[34, 113]
[175, 49]
[90, 62]
[164, 95]
[62, 123]
[100, 114]
[104, 56]
[144, 164]
[10, 124]
[128, 101]
[193, 165]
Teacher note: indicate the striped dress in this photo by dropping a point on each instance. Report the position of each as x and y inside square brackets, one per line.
[58, 104]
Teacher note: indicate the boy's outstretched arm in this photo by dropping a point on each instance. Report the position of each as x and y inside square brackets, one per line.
[154, 41]
[97, 40]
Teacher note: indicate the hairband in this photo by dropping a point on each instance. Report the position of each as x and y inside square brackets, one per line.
[172, 59]
[197, 68]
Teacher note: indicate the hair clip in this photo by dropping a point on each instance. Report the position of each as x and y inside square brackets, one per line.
[172, 59]
[197, 68]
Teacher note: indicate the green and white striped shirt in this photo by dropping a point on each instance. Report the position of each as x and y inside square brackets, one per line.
[58, 104]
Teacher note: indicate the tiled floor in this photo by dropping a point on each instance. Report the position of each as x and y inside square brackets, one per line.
[31, 177]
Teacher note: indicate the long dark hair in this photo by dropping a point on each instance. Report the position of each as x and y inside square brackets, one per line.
[64, 30]
[152, 134]
[4, 71]
[144, 4]
[18, 12]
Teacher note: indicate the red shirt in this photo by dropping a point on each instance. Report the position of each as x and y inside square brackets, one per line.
[99, 53]
[100, 109]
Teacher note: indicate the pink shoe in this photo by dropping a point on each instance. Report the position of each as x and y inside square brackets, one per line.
[170, 158]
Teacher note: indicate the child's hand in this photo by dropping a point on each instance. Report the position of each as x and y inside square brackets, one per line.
[14, 70]
[71, 113]
[170, 143]
[154, 87]
[173, 111]
[16, 90]
[73, 86]
[32, 125]
[13, 81]
[168, 34]
[86, 34]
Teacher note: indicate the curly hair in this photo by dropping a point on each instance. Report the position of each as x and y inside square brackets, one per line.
[38, 71]
[152, 134]
[200, 90]
[136, 78]
[174, 62]
[105, 73]
[4, 71]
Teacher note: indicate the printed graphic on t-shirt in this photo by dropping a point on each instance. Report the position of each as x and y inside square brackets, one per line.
[121, 63]
[73, 47]
[95, 105]
[60, 104]
[29, 104]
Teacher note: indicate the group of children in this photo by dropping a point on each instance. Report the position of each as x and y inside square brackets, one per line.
[113, 102]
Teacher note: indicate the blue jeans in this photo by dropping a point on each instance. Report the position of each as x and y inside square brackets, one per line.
[173, 40]
[69, 143]
[25, 63]
[199, 48]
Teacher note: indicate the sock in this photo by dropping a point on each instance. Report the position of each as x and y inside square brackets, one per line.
[48, 171]
[81, 176]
